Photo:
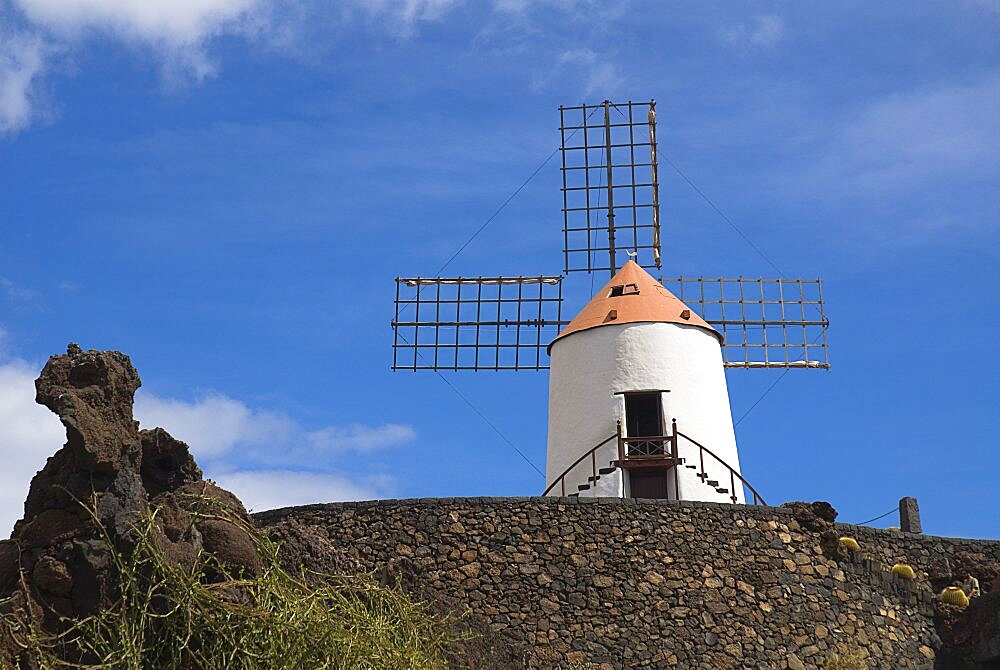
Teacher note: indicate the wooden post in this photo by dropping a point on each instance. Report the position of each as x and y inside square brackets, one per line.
[673, 438]
[621, 445]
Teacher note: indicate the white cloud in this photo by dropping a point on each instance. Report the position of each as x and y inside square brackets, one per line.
[178, 33]
[22, 61]
[360, 438]
[592, 8]
[29, 434]
[266, 458]
[270, 489]
[512, 6]
[404, 15]
[214, 424]
[176, 22]
[597, 75]
[764, 31]
[767, 31]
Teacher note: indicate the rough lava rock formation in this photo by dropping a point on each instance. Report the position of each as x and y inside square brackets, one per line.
[57, 561]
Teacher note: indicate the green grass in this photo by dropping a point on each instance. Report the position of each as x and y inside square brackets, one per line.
[166, 617]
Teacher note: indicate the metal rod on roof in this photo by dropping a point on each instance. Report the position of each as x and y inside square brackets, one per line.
[611, 190]
[655, 182]
[562, 155]
[586, 181]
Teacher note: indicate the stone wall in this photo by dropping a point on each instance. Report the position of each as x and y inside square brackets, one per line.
[623, 583]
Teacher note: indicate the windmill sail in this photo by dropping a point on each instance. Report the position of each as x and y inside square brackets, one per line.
[765, 323]
[610, 187]
[477, 323]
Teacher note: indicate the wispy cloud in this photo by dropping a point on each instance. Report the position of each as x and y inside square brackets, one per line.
[266, 457]
[22, 63]
[600, 9]
[404, 15]
[270, 489]
[178, 34]
[906, 139]
[214, 424]
[596, 74]
[763, 31]
[169, 22]
[17, 296]
[360, 438]
[929, 148]
[599, 75]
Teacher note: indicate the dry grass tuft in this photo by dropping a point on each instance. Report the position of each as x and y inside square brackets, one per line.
[170, 618]
[846, 659]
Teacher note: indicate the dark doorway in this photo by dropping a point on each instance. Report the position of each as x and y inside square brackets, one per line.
[648, 483]
[643, 414]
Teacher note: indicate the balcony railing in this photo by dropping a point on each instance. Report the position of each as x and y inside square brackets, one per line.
[657, 447]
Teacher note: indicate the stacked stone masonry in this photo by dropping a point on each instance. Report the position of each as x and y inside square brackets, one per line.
[623, 583]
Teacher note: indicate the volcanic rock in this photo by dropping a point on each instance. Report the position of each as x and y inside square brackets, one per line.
[92, 492]
[167, 463]
[987, 572]
[52, 576]
[219, 519]
[819, 517]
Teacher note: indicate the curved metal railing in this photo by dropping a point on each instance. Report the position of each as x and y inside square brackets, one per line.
[593, 464]
[624, 444]
[733, 475]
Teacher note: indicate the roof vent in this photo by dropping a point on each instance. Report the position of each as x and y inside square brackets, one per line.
[623, 289]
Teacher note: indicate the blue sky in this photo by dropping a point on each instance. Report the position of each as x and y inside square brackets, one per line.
[225, 190]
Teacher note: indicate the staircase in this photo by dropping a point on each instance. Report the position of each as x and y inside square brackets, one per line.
[593, 480]
[660, 451]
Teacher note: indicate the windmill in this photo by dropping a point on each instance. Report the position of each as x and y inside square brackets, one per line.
[638, 400]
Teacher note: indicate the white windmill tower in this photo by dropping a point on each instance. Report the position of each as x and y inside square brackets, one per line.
[632, 357]
[638, 400]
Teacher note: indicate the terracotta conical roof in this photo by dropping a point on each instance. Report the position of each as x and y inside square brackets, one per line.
[633, 296]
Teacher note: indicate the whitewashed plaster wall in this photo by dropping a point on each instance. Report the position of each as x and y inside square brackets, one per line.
[589, 367]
